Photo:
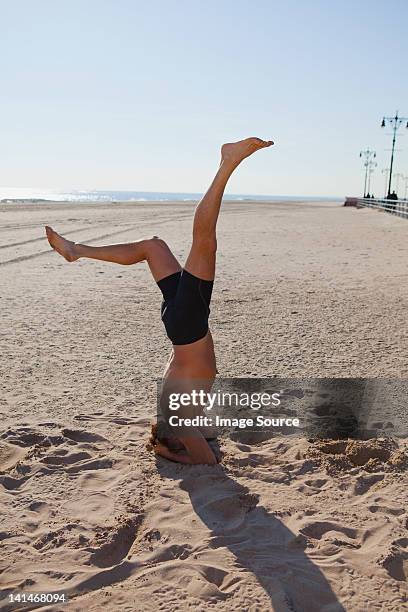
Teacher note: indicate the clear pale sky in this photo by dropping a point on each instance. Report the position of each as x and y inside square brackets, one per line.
[125, 94]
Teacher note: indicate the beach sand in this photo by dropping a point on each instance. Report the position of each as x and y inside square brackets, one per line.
[303, 289]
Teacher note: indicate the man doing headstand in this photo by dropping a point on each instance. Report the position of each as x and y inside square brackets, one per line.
[186, 298]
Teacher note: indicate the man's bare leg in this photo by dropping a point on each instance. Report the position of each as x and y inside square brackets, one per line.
[197, 361]
[155, 251]
[201, 259]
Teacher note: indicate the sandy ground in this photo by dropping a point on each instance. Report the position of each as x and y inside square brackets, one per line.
[286, 524]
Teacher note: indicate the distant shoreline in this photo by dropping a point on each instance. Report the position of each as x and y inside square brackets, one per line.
[174, 198]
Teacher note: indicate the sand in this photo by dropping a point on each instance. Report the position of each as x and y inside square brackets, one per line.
[286, 524]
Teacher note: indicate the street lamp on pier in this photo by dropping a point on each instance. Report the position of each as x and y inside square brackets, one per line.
[395, 123]
[369, 164]
[373, 165]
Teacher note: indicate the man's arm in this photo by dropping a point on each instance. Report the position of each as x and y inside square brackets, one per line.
[165, 452]
[198, 452]
[198, 449]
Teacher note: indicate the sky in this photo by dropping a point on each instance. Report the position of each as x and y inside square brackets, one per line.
[132, 95]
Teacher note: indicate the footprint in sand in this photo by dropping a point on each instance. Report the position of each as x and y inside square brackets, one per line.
[228, 512]
[23, 436]
[364, 483]
[40, 508]
[68, 536]
[81, 435]
[100, 416]
[26, 451]
[89, 453]
[10, 455]
[208, 582]
[95, 464]
[386, 509]
[202, 581]
[10, 483]
[116, 542]
[321, 529]
[316, 483]
[395, 561]
[171, 552]
[330, 537]
[66, 458]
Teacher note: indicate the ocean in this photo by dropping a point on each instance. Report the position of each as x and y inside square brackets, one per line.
[136, 196]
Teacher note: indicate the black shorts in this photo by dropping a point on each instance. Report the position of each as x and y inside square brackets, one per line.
[186, 306]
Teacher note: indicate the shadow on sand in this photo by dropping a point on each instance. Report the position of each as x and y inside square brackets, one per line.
[259, 541]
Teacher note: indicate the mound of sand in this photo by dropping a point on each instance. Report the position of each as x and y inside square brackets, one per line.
[370, 455]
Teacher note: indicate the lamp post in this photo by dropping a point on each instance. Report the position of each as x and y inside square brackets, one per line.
[385, 171]
[368, 156]
[372, 165]
[395, 123]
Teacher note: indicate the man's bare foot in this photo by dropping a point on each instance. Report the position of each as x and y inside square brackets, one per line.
[64, 247]
[235, 152]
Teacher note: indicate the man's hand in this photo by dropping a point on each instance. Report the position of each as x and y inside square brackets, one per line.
[163, 451]
[196, 450]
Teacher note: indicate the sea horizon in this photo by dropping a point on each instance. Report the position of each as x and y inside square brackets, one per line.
[96, 195]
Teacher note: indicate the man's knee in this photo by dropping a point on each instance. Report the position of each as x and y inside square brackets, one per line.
[155, 244]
